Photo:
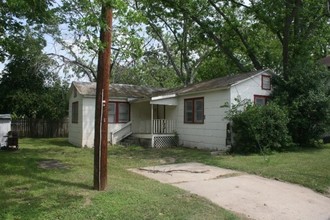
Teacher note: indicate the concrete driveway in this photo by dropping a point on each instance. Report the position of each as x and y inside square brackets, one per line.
[253, 196]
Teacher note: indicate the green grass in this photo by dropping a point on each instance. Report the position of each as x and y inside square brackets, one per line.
[306, 167]
[28, 191]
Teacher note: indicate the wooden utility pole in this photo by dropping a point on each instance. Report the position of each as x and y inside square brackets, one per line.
[102, 99]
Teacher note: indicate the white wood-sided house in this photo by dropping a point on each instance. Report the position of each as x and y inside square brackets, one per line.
[191, 115]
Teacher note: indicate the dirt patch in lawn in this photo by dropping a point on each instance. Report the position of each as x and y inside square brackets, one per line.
[52, 164]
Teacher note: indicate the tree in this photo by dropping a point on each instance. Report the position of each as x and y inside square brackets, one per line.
[175, 36]
[80, 42]
[306, 96]
[250, 33]
[28, 87]
[15, 15]
[300, 26]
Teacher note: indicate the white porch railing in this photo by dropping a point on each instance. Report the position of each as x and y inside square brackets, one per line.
[163, 126]
[121, 133]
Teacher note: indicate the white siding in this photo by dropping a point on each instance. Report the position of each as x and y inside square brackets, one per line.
[75, 129]
[248, 88]
[170, 112]
[88, 114]
[212, 133]
[141, 117]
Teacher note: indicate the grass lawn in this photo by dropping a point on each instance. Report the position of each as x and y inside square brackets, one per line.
[28, 191]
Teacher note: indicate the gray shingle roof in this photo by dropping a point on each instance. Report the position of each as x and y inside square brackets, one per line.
[118, 90]
[217, 83]
[133, 91]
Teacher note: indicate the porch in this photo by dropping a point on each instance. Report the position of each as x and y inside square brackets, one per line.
[161, 135]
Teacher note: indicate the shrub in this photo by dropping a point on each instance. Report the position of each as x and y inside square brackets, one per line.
[259, 128]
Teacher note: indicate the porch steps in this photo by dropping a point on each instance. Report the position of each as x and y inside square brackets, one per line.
[131, 140]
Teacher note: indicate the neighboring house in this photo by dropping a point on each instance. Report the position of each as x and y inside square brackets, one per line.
[192, 114]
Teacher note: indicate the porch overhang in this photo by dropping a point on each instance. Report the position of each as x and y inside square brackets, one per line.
[164, 100]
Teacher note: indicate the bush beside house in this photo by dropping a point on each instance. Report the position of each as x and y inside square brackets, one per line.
[259, 128]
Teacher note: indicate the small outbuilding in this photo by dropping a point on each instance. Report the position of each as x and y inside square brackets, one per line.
[5, 127]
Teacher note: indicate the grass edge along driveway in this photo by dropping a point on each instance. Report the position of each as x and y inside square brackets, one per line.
[30, 191]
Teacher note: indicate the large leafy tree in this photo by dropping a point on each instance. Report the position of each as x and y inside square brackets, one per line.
[28, 87]
[15, 15]
[301, 27]
[142, 31]
[176, 37]
[79, 41]
[302, 86]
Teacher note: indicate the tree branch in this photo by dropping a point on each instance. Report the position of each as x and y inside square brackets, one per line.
[249, 50]
[89, 71]
[219, 42]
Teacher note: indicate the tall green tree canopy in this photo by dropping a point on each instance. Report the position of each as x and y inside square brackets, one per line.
[16, 15]
[251, 33]
[28, 87]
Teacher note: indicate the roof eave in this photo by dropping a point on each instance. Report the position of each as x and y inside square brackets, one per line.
[160, 97]
[203, 91]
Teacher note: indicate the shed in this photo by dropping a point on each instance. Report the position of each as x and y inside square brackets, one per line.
[5, 127]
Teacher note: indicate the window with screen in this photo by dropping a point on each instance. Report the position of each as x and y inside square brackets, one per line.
[119, 112]
[265, 82]
[194, 110]
[260, 100]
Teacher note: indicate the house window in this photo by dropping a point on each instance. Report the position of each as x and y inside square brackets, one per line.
[260, 100]
[194, 110]
[265, 82]
[74, 112]
[119, 112]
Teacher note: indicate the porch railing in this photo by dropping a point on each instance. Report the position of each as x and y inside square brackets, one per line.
[163, 126]
[120, 134]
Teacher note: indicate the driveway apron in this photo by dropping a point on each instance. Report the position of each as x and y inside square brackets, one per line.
[252, 196]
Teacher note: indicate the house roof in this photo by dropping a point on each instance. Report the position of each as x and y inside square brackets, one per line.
[118, 90]
[217, 83]
[134, 91]
[325, 61]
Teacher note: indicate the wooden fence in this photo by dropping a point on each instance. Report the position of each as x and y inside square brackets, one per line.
[37, 128]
